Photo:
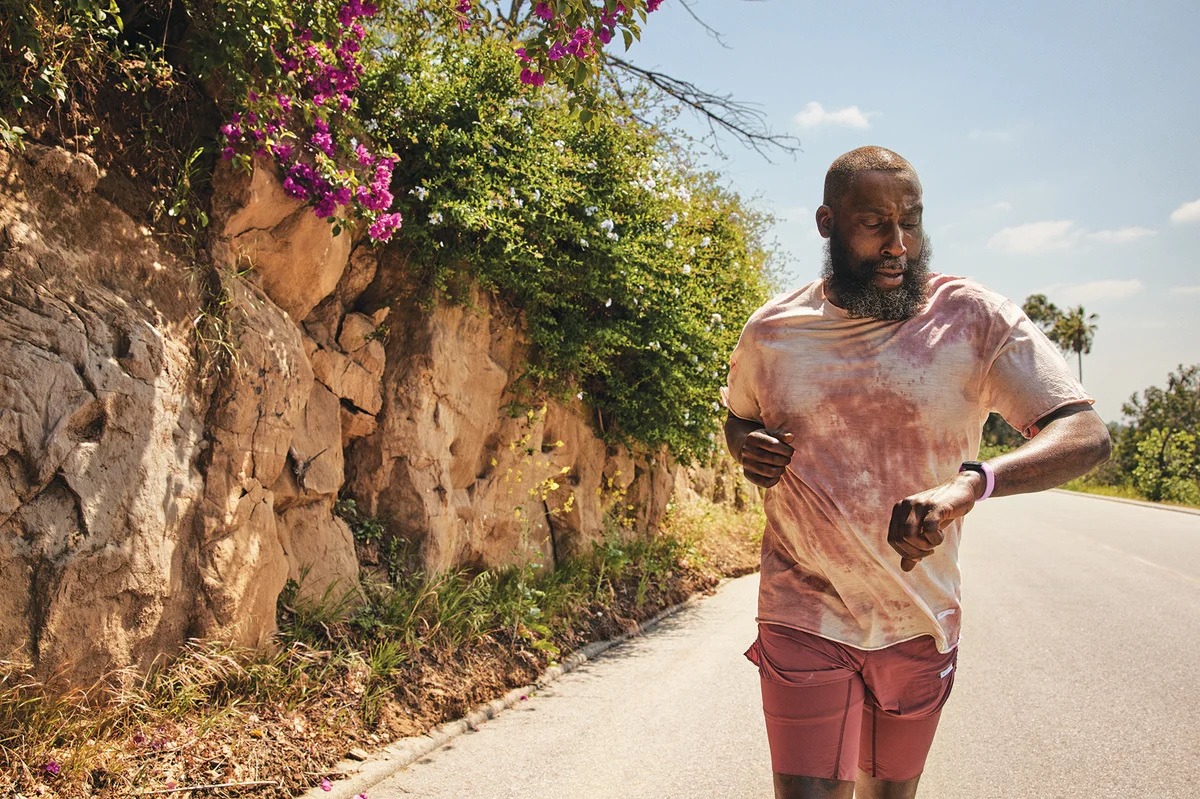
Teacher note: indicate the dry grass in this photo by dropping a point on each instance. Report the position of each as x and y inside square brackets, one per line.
[424, 650]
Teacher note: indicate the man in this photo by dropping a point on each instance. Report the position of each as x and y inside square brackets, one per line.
[858, 401]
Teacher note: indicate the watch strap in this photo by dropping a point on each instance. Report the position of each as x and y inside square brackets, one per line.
[989, 476]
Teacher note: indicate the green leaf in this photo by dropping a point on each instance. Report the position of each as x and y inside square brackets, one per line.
[628, 38]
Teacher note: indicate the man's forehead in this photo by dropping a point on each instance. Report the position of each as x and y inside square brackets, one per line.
[884, 190]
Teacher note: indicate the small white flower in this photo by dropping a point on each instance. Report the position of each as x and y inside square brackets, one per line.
[669, 243]
[608, 304]
[517, 203]
[435, 218]
[590, 164]
[676, 291]
[716, 319]
[716, 406]
[591, 209]
[537, 194]
[579, 395]
[583, 243]
[560, 144]
[613, 236]
[704, 242]
[420, 191]
[607, 224]
[691, 251]
[687, 269]
[512, 192]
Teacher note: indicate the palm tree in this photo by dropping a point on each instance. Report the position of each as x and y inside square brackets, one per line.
[1073, 332]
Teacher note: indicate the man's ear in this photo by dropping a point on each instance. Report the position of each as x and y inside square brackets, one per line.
[825, 221]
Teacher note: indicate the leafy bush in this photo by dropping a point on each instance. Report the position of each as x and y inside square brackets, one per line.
[632, 270]
[1166, 467]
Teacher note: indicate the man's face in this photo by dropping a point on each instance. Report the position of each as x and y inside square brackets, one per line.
[877, 258]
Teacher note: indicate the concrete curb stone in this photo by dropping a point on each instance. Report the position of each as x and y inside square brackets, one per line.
[362, 776]
[1159, 505]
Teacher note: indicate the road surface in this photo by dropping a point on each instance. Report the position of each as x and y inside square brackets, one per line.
[1079, 676]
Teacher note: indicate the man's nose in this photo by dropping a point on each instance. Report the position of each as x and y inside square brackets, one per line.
[894, 246]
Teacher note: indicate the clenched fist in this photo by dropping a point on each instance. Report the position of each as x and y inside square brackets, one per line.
[765, 454]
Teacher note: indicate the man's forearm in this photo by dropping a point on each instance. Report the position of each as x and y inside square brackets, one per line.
[1070, 443]
[736, 430]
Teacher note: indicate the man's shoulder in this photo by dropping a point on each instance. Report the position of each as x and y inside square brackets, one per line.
[951, 294]
[790, 306]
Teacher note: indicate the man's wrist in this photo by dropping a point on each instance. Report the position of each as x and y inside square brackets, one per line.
[982, 477]
[976, 481]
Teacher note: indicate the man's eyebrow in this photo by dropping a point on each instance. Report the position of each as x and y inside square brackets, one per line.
[912, 209]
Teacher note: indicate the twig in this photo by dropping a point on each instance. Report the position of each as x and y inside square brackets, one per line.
[257, 784]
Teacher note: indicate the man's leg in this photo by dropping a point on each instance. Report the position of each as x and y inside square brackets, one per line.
[789, 787]
[868, 787]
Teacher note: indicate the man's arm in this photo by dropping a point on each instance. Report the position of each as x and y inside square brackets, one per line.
[1069, 442]
[763, 454]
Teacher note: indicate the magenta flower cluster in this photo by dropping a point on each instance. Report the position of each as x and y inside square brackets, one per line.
[581, 43]
[299, 126]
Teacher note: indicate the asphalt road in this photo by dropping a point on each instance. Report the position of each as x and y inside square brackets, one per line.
[1079, 676]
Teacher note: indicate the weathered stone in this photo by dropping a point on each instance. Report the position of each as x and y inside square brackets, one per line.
[316, 450]
[256, 412]
[100, 429]
[77, 169]
[293, 253]
[348, 380]
[320, 552]
[357, 340]
[356, 424]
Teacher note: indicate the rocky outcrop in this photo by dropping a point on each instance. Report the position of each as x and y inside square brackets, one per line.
[150, 493]
[100, 429]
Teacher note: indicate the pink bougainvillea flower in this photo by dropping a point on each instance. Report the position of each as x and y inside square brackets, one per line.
[542, 10]
[604, 35]
[522, 55]
[227, 154]
[52, 768]
[556, 51]
[383, 227]
[326, 785]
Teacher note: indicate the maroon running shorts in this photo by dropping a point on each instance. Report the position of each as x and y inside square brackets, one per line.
[832, 709]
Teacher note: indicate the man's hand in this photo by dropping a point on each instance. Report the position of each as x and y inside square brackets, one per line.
[765, 454]
[918, 521]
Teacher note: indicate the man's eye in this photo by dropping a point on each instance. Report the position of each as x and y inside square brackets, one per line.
[870, 225]
[910, 225]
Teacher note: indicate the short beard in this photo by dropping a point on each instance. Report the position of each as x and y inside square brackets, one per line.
[861, 298]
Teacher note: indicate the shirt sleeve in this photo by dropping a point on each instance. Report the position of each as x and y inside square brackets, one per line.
[1028, 377]
[740, 395]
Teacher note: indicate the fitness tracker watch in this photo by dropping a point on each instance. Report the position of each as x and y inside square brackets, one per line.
[989, 476]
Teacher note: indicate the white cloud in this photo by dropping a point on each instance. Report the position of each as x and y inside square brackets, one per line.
[1186, 290]
[1122, 235]
[1003, 206]
[1035, 237]
[1188, 212]
[814, 115]
[990, 135]
[1093, 291]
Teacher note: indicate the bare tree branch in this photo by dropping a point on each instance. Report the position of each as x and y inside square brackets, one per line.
[745, 122]
[710, 30]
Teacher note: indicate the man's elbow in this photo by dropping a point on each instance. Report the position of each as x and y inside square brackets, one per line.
[1099, 440]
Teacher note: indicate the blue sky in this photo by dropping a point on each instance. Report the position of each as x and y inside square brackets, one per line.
[1058, 145]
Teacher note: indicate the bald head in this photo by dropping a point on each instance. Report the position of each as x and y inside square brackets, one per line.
[846, 167]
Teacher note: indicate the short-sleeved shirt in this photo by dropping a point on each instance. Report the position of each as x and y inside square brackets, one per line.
[880, 411]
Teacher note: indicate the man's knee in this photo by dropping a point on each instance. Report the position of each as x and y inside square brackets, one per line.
[788, 786]
[869, 787]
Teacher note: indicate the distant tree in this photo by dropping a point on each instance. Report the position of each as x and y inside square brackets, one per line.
[1074, 332]
[1044, 313]
[1175, 408]
[1167, 468]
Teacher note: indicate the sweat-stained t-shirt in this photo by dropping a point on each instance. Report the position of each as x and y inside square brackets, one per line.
[880, 411]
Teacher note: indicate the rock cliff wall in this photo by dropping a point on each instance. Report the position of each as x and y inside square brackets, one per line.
[174, 436]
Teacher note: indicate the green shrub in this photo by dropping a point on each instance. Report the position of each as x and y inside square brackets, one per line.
[632, 270]
[1166, 467]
